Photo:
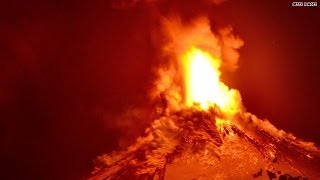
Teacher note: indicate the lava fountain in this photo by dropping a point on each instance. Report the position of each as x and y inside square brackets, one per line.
[203, 84]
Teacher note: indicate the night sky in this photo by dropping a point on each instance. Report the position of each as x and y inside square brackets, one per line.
[68, 68]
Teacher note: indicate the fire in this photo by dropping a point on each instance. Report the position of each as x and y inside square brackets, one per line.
[203, 84]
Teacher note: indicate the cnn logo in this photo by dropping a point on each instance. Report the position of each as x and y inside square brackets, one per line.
[304, 4]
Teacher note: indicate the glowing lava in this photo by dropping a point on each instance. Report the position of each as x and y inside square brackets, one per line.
[203, 84]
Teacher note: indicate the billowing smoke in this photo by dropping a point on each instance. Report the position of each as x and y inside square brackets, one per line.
[176, 130]
[197, 32]
[180, 36]
[172, 33]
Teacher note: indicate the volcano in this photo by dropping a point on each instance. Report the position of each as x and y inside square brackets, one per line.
[197, 144]
[200, 128]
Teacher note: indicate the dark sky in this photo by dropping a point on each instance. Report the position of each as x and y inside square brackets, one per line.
[66, 66]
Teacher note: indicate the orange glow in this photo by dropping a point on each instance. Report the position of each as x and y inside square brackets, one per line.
[203, 85]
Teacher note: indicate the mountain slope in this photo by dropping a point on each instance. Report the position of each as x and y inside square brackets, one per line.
[197, 144]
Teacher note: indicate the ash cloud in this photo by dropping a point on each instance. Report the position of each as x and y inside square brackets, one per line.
[180, 36]
[177, 37]
[173, 33]
[175, 29]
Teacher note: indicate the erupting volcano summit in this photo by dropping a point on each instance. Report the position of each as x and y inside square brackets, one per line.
[200, 129]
